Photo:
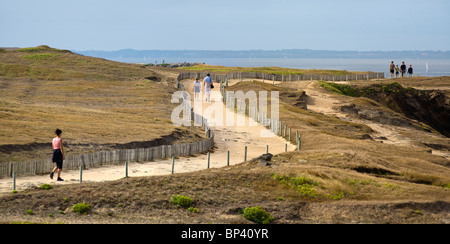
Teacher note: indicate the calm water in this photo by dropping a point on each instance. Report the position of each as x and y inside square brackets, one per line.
[437, 67]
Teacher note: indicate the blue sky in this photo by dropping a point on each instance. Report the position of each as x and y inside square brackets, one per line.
[227, 24]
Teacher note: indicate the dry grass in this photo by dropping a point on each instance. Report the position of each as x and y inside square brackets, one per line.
[340, 196]
[299, 119]
[93, 101]
[268, 70]
[337, 152]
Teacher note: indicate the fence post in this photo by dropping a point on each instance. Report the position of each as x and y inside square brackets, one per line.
[245, 154]
[126, 169]
[14, 180]
[299, 142]
[209, 158]
[81, 174]
[285, 147]
[281, 128]
[267, 149]
[228, 158]
[173, 163]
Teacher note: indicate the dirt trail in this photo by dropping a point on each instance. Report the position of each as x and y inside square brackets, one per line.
[321, 101]
[329, 104]
[227, 138]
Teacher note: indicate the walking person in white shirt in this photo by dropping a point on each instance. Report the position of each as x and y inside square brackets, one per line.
[207, 83]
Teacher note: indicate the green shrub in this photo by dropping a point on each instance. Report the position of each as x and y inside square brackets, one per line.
[46, 187]
[258, 215]
[81, 208]
[302, 184]
[337, 196]
[340, 89]
[193, 210]
[182, 201]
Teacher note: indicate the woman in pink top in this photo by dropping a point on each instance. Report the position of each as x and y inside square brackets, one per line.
[58, 154]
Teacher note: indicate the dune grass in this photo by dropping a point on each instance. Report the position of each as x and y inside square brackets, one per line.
[94, 101]
[267, 70]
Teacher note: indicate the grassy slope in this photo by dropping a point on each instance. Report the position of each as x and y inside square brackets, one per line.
[336, 178]
[94, 101]
[268, 70]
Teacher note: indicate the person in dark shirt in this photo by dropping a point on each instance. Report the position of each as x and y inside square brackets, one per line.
[410, 71]
[403, 68]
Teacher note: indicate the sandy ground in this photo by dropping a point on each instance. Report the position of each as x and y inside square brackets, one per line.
[227, 138]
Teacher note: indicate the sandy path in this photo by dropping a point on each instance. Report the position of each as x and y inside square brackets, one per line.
[321, 101]
[227, 138]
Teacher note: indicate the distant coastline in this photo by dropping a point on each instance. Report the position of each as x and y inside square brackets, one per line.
[376, 61]
[288, 53]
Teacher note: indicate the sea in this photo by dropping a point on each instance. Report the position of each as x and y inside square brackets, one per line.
[436, 67]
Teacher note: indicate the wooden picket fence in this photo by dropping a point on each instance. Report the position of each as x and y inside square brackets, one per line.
[282, 78]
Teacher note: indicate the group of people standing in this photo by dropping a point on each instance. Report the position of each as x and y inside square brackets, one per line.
[402, 69]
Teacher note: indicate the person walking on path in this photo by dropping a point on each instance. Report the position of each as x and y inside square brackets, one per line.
[392, 69]
[207, 83]
[58, 155]
[410, 71]
[403, 68]
[397, 71]
[197, 88]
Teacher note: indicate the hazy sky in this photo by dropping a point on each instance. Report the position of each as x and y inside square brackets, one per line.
[361, 25]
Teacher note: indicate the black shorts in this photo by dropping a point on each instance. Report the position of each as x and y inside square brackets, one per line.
[58, 158]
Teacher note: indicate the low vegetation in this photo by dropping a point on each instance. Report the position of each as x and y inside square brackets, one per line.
[267, 70]
[258, 215]
[46, 187]
[340, 89]
[81, 208]
[302, 184]
[182, 201]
